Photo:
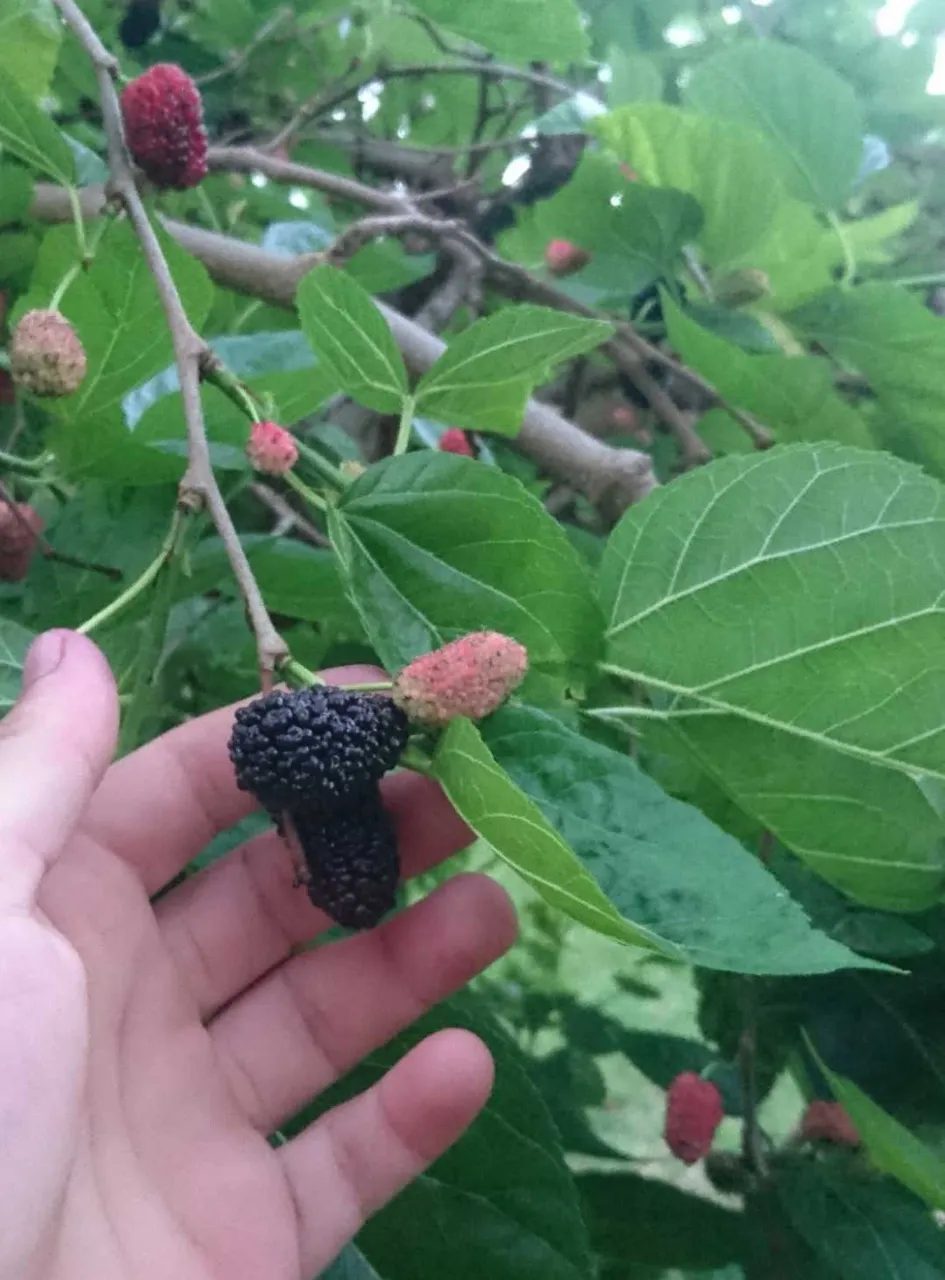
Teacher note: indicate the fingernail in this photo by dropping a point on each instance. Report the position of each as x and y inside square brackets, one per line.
[45, 655]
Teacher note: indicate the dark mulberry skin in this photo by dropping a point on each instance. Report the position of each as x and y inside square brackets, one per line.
[352, 861]
[320, 749]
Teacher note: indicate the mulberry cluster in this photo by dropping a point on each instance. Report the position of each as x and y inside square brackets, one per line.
[471, 676]
[46, 354]
[694, 1112]
[20, 529]
[163, 115]
[271, 449]
[316, 757]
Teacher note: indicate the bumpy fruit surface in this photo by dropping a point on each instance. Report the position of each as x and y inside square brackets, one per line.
[352, 861]
[46, 354]
[271, 449]
[829, 1122]
[694, 1112]
[562, 258]
[323, 748]
[455, 440]
[20, 527]
[163, 115]
[471, 676]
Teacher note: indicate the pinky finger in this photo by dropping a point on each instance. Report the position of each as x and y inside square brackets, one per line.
[360, 1155]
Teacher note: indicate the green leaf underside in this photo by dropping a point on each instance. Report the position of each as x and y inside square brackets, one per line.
[348, 333]
[501, 1202]
[677, 879]
[892, 1147]
[898, 345]
[14, 642]
[809, 117]
[864, 1230]
[432, 546]
[550, 30]
[30, 35]
[793, 395]
[30, 134]
[706, 158]
[786, 611]
[486, 374]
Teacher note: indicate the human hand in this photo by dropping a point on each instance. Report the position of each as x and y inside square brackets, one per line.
[146, 1050]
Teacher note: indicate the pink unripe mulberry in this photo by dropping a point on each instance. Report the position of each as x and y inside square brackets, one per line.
[46, 354]
[471, 677]
[829, 1122]
[694, 1112]
[20, 527]
[271, 449]
[562, 258]
[163, 114]
[455, 440]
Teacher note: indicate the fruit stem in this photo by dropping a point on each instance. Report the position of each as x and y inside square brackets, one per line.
[406, 427]
[416, 759]
[145, 580]
[24, 466]
[295, 673]
[301, 488]
[328, 472]
[63, 285]
[377, 686]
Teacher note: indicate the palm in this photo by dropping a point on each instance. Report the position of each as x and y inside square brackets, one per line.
[173, 1037]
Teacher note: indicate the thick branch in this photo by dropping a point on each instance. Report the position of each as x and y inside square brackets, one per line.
[199, 486]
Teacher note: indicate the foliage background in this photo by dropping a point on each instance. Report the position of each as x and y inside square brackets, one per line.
[759, 188]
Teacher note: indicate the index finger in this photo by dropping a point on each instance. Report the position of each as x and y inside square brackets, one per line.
[54, 747]
[160, 807]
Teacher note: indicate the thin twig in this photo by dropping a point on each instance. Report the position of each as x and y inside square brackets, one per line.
[287, 515]
[199, 486]
[323, 103]
[252, 160]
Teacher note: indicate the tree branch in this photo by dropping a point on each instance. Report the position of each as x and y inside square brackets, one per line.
[611, 478]
[198, 487]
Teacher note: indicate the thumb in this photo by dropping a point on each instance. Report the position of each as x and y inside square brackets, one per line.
[55, 746]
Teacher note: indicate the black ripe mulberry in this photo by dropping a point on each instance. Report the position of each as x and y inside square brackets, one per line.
[321, 749]
[351, 860]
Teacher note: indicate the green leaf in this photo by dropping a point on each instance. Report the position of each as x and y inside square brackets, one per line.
[16, 194]
[30, 33]
[793, 395]
[497, 810]
[501, 1202]
[432, 546]
[348, 333]
[635, 232]
[898, 345]
[707, 158]
[817, 706]
[800, 254]
[864, 1230]
[891, 1146]
[543, 30]
[678, 879]
[487, 373]
[30, 134]
[636, 1221]
[633, 78]
[809, 117]
[350, 1265]
[15, 640]
[297, 580]
[117, 313]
